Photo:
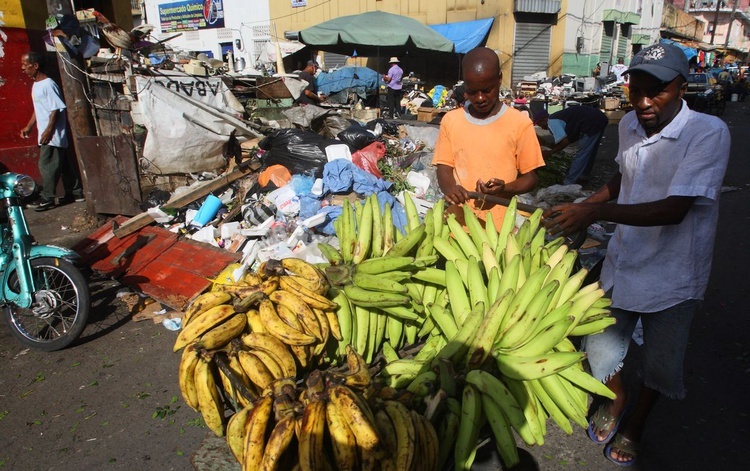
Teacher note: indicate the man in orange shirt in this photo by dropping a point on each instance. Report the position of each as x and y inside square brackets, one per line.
[486, 145]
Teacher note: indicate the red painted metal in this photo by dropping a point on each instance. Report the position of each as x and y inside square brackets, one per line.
[16, 154]
[159, 263]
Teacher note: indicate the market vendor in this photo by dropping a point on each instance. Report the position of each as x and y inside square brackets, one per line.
[394, 87]
[582, 124]
[672, 161]
[309, 95]
[485, 146]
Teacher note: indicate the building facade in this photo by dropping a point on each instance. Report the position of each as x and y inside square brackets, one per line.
[237, 27]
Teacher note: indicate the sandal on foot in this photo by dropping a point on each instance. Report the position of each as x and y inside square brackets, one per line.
[603, 420]
[621, 443]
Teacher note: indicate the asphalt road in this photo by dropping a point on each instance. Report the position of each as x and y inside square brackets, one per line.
[112, 401]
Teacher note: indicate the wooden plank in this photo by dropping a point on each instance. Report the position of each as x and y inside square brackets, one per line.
[112, 173]
[144, 219]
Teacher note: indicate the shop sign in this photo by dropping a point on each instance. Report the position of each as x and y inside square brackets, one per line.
[189, 15]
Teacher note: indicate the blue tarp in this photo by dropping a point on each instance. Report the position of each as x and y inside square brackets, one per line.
[466, 35]
[361, 79]
[689, 51]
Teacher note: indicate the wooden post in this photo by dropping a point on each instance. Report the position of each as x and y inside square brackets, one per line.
[75, 88]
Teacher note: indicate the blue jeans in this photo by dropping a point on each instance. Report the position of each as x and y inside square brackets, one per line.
[665, 338]
[583, 162]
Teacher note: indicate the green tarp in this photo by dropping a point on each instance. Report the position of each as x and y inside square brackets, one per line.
[374, 34]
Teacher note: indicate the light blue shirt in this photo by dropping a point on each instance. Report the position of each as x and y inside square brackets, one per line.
[557, 128]
[47, 98]
[653, 268]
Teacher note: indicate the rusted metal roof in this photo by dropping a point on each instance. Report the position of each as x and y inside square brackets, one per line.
[162, 264]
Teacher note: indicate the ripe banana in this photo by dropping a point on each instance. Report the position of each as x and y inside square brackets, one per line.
[278, 442]
[312, 298]
[301, 309]
[274, 347]
[306, 271]
[202, 324]
[358, 415]
[343, 442]
[310, 437]
[203, 303]
[255, 369]
[222, 334]
[209, 400]
[406, 433]
[188, 362]
[280, 329]
[236, 432]
[255, 433]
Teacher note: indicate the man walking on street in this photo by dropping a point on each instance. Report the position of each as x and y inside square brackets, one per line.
[582, 124]
[49, 117]
[672, 162]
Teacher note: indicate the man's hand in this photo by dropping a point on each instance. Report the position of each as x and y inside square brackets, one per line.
[546, 153]
[25, 133]
[565, 219]
[493, 186]
[46, 137]
[456, 194]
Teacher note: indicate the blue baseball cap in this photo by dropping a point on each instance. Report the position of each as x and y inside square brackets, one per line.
[663, 61]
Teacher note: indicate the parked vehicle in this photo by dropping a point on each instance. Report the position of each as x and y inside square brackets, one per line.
[704, 95]
[45, 298]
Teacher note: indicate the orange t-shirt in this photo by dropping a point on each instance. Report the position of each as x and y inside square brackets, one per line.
[502, 148]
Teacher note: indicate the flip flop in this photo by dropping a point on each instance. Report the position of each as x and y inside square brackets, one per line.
[622, 443]
[603, 420]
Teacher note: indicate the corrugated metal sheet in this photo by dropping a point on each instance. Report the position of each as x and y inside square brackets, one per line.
[536, 6]
[531, 49]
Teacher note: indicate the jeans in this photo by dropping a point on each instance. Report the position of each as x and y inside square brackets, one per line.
[665, 339]
[583, 162]
[53, 164]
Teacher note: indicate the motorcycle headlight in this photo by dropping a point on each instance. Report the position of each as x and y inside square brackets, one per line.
[24, 186]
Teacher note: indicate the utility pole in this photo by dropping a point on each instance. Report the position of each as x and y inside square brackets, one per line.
[74, 85]
[716, 20]
[731, 20]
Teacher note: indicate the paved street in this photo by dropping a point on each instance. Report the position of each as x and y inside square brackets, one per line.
[112, 401]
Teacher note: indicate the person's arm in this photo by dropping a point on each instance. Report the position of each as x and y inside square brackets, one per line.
[49, 131]
[453, 192]
[568, 218]
[313, 96]
[26, 132]
[556, 148]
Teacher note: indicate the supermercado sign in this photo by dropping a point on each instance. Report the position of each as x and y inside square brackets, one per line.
[189, 15]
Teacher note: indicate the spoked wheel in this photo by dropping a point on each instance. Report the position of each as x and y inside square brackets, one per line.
[59, 310]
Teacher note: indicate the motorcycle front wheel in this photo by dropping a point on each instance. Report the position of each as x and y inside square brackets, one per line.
[60, 307]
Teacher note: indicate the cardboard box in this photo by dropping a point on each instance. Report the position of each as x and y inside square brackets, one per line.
[366, 114]
[611, 103]
[426, 114]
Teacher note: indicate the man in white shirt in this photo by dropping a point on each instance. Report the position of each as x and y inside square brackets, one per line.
[672, 162]
[49, 117]
[618, 69]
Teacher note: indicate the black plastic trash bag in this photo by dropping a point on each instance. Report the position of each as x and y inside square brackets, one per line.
[298, 150]
[356, 137]
[388, 128]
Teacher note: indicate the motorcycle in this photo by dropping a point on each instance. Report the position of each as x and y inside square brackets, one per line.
[45, 299]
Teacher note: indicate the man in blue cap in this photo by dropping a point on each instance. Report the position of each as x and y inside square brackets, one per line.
[672, 162]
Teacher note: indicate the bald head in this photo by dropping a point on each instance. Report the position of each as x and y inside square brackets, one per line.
[481, 60]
